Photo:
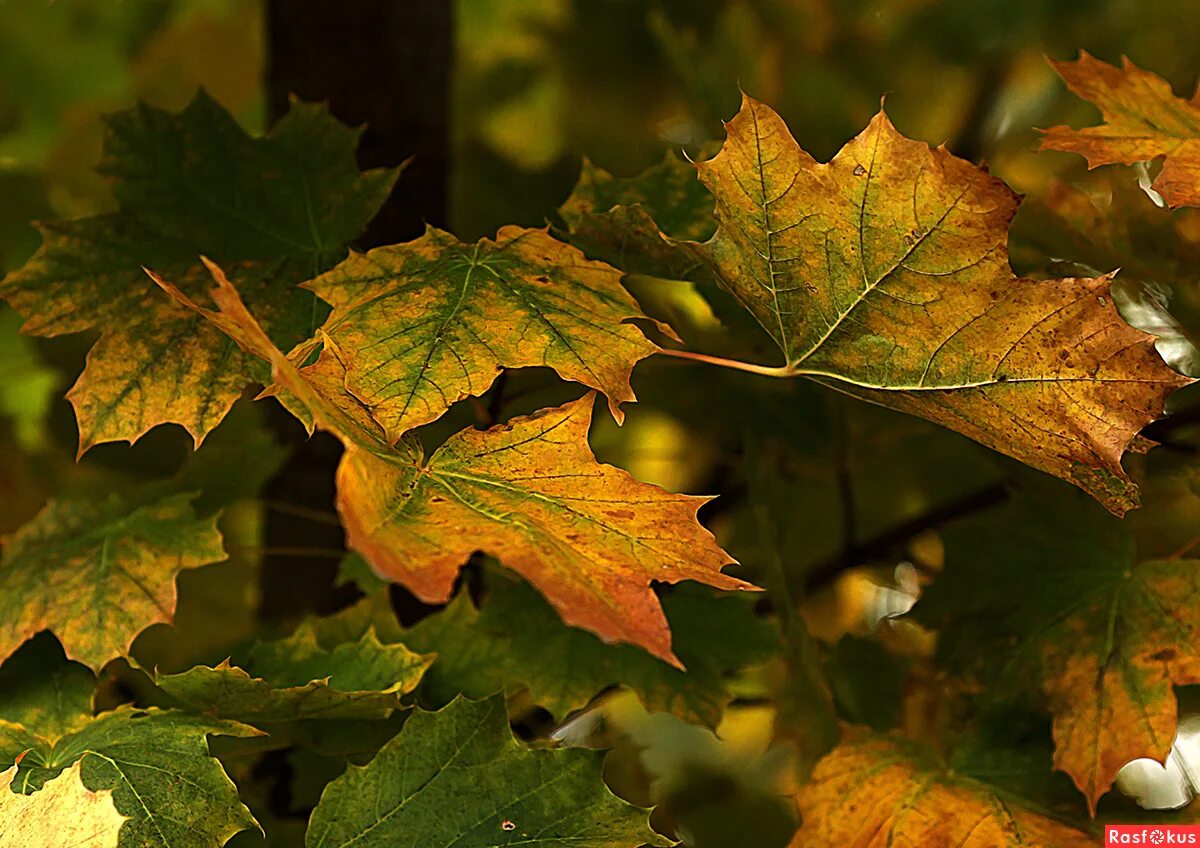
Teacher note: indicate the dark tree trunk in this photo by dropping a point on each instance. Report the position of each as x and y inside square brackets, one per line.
[385, 64]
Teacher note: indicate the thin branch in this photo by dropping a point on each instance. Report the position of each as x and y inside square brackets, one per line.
[1185, 549]
[301, 511]
[887, 541]
[496, 400]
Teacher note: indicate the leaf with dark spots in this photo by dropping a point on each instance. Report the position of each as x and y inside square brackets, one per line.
[418, 326]
[884, 274]
[529, 491]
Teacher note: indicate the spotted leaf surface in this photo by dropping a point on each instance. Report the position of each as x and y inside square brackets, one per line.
[99, 572]
[1105, 634]
[588, 536]
[874, 792]
[421, 325]
[884, 274]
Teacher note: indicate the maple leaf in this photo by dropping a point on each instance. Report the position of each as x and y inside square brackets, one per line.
[458, 775]
[1123, 228]
[143, 757]
[874, 791]
[589, 536]
[294, 678]
[63, 814]
[98, 572]
[282, 207]
[642, 224]
[44, 693]
[1103, 633]
[883, 274]
[530, 492]
[1143, 119]
[514, 640]
[418, 326]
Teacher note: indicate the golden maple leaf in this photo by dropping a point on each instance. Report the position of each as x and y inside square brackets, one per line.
[884, 274]
[1143, 119]
[590, 537]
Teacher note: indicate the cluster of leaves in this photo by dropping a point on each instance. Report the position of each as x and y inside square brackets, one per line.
[883, 275]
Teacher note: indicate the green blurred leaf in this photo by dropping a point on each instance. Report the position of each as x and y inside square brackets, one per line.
[281, 208]
[145, 757]
[514, 639]
[292, 679]
[458, 775]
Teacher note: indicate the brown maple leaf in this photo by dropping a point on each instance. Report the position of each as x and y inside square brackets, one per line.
[590, 537]
[875, 791]
[884, 274]
[1143, 119]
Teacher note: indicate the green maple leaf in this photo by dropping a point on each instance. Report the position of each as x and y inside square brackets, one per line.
[457, 777]
[44, 693]
[295, 678]
[641, 224]
[282, 207]
[418, 326]
[515, 639]
[1104, 633]
[98, 572]
[157, 765]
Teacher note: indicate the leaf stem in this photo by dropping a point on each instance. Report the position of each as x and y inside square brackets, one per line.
[737, 365]
[1185, 549]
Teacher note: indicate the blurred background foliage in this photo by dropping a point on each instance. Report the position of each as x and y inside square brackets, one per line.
[826, 501]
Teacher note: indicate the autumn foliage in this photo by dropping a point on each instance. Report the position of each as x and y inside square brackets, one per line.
[497, 573]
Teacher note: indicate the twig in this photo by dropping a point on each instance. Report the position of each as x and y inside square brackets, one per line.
[496, 400]
[889, 540]
[301, 511]
[1185, 549]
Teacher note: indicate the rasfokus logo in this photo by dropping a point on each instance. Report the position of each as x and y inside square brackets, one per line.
[1145, 834]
